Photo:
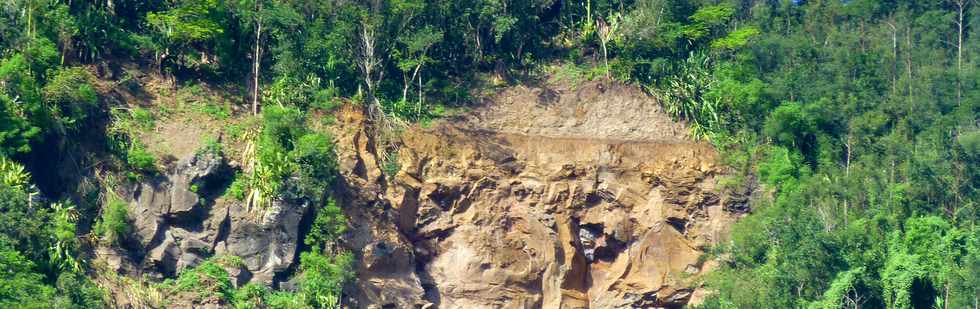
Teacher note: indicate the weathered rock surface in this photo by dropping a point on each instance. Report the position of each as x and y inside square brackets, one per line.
[180, 221]
[544, 198]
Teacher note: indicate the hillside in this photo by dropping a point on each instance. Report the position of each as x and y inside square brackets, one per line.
[489, 154]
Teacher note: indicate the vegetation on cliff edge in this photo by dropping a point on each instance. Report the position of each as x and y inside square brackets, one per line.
[859, 118]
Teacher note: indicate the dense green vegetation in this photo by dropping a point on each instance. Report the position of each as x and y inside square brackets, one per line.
[866, 155]
[40, 265]
[859, 118]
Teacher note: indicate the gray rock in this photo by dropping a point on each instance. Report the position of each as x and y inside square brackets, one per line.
[178, 224]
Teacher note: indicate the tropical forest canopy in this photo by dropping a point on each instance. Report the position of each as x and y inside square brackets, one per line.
[855, 122]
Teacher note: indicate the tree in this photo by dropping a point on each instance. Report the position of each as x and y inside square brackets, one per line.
[16, 132]
[606, 33]
[65, 27]
[415, 55]
[381, 24]
[961, 6]
[20, 285]
[267, 19]
[183, 28]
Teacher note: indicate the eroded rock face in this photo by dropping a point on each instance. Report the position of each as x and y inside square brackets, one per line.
[570, 208]
[180, 221]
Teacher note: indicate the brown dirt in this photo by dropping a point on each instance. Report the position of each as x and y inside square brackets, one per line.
[593, 110]
[180, 127]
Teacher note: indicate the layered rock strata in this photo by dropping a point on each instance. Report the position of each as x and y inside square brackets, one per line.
[585, 197]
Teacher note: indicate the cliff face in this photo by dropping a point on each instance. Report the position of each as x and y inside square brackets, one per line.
[563, 197]
[584, 197]
[180, 222]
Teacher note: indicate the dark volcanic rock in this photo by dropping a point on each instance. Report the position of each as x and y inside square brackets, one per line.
[179, 224]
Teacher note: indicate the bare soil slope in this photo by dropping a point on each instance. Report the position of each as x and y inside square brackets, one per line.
[592, 110]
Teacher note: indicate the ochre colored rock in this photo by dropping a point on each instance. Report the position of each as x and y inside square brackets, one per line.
[544, 198]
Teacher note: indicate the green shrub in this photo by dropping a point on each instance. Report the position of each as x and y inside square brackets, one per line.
[141, 160]
[211, 146]
[684, 95]
[237, 130]
[781, 168]
[63, 253]
[142, 119]
[316, 162]
[77, 291]
[390, 166]
[71, 96]
[217, 111]
[42, 54]
[284, 300]
[286, 149]
[323, 277]
[130, 122]
[791, 126]
[328, 225]
[238, 188]
[209, 279]
[280, 127]
[114, 225]
[20, 286]
[16, 132]
[23, 227]
[127, 124]
[250, 296]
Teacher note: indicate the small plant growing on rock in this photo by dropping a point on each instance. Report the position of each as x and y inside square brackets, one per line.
[238, 187]
[390, 166]
[127, 124]
[323, 276]
[114, 225]
[211, 146]
[209, 280]
[141, 160]
[328, 225]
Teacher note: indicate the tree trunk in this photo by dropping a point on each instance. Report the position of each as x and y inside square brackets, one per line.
[367, 63]
[256, 62]
[64, 50]
[908, 62]
[418, 109]
[894, 56]
[959, 51]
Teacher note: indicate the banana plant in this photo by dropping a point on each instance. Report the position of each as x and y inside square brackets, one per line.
[14, 175]
[683, 96]
[63, 250]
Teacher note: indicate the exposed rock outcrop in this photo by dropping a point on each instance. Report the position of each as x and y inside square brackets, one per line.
[572, 197]
[545, 198]
[180, 220]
